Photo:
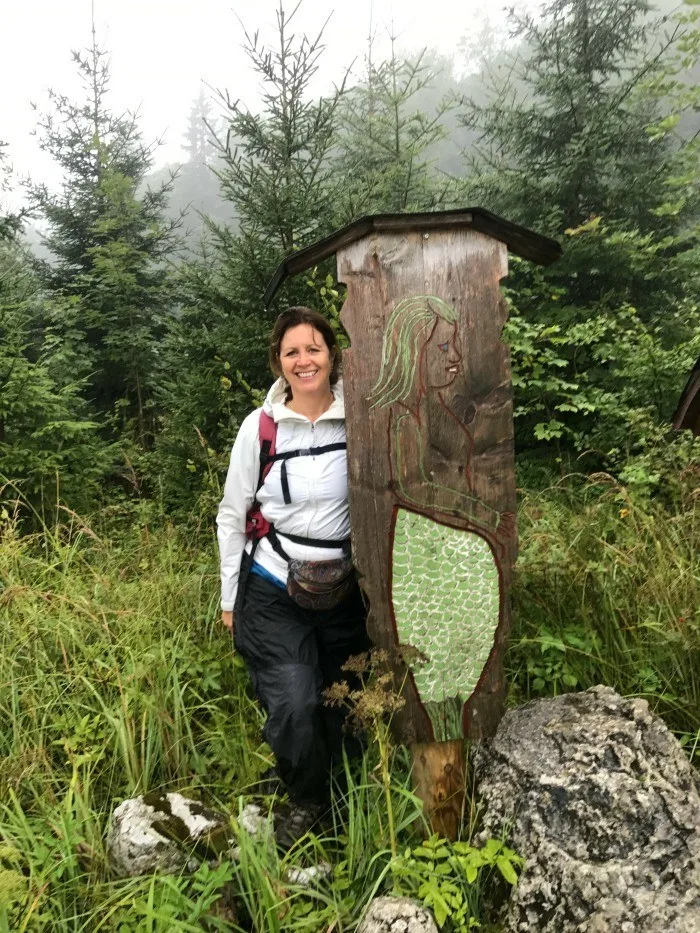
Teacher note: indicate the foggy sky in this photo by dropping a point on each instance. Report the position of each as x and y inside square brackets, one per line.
[162, 50]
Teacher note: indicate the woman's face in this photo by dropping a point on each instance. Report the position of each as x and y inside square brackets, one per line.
[305, 361]
[442, 356]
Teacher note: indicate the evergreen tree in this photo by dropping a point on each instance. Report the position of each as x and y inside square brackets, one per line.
[276, 173]
[50, 449]
[197, 137]
[276, 167]
[565, 135]
[195, 187]
[110, 245]
[601, 340]
[387, 143]
[10, 221]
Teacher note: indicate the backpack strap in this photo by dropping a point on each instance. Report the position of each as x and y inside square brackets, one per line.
[267, 435]
[273, 537]
[256, 526]
[290, 454]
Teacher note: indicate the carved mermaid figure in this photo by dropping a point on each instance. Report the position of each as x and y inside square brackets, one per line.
[445, 585]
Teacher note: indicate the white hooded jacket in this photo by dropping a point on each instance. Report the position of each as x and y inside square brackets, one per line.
[318, 488]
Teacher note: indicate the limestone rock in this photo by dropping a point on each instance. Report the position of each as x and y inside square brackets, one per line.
[163, 832]
[307, 877]
[397, 915]
[597, 795]
[254, 820]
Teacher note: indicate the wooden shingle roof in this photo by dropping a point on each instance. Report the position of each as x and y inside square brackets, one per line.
[519, 240]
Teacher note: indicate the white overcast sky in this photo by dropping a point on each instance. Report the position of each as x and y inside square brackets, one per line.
[162, 51]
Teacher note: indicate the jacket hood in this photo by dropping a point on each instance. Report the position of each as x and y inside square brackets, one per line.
[274, 404]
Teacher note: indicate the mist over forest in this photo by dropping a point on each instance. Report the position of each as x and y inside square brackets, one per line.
[490, 51]
[490, 54]
[580, 123]
[133, 344]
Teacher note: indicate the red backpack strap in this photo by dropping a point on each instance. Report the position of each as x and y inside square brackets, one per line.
[267, 435]
[256, 527]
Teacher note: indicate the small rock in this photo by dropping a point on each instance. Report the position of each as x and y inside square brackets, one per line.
[397, 915]
[253, 820]
[306, 876]
[163, 832]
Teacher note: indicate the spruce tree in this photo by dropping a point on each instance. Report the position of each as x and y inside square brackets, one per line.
[10, 221]
[198, 144]
[387, 143]
[110, 245]
[276, 172]
[50, 450]
[195, 189]
[565, 134]
[276, 168]
[584, 148]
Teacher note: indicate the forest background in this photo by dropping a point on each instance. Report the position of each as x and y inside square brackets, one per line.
[132, 341]
[132, 345]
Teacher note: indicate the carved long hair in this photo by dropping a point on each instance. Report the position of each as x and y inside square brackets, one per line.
[409, 327]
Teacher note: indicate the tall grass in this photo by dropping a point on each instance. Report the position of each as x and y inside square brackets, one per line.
[608, 591]
[117, 678]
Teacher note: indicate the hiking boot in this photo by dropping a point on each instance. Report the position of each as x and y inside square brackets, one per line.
[295, 820]
[269, 784]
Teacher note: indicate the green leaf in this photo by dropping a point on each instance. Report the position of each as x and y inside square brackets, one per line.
[547, 431]
[507, 870]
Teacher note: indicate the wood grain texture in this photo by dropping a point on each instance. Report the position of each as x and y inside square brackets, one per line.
[456, 439]
[439, 780]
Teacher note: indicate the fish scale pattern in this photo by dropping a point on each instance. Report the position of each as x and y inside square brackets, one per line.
[445, 596]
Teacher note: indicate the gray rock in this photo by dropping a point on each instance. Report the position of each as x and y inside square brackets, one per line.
[254, 820]
[163, 832]
[397, 915]
[307, 877]
[597, 795]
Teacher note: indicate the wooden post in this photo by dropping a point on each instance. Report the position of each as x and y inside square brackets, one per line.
[439, 781]
[687, 413]
[431, 470]
[432, 483]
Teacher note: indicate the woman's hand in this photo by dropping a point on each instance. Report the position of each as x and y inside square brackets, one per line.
[227, 619]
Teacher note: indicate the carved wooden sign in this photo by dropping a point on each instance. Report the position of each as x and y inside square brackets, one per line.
[429, 417]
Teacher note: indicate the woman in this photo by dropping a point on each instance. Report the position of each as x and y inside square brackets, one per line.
[293, 652]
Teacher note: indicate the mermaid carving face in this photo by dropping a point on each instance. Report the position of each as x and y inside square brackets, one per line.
[420, 350]
[441, 360]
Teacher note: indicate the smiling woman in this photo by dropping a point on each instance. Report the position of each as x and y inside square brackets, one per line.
[307, 358]
[288, 590]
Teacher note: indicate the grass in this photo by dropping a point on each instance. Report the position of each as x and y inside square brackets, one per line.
[608, 591]
[117, 678]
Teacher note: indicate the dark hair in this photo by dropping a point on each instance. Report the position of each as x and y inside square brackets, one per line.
[292, 317]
